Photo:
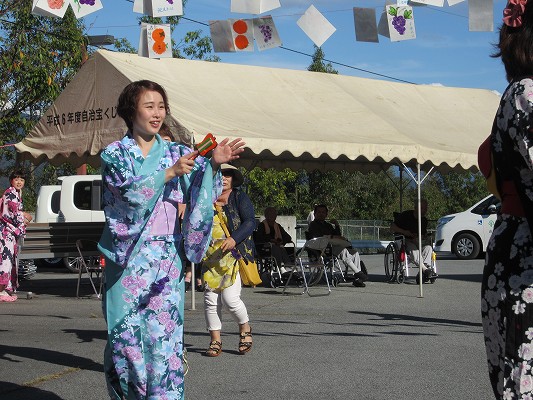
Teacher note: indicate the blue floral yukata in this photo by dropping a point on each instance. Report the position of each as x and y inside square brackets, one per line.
[144, 250]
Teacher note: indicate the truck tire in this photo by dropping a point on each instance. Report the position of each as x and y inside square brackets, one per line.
[49, 262]
[466, 246]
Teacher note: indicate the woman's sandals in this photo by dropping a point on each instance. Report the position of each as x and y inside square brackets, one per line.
[214, 349]
[245, 347]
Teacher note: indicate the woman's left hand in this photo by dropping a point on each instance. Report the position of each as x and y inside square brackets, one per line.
[227, 151]
[228, 244]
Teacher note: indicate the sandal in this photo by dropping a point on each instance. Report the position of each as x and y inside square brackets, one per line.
[245, 347]
[214, 349]
[7, 298]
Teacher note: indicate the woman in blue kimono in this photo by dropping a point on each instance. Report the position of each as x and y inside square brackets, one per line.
[144, 179]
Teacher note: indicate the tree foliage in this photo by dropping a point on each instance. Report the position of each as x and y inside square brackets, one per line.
[319, 65]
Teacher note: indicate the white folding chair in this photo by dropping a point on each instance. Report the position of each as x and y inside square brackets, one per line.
[89, 264]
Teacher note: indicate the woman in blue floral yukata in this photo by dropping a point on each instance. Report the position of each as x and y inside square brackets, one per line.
[507, 286]
[145, 178]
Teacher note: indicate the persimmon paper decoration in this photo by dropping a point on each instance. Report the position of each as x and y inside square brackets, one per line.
[50, 8]
[221, 36]
[401, 23]
[159, 41]
[242, 31]
[82, 8]
[436, 3]
[366, 28]
[265, 33]
[480, 16]
[254, 6]
[316, 26]
[454, 2]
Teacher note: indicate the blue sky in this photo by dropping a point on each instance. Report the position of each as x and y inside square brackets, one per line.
[444, 52]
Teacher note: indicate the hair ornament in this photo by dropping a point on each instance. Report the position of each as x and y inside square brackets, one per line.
[512, 13]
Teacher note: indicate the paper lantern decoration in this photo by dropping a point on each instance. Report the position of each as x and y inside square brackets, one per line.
[50, 8]
[401, 23]
[242, 32]
[265, 33]
[82, 8]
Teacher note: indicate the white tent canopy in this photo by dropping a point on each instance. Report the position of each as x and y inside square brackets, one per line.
[295, 119]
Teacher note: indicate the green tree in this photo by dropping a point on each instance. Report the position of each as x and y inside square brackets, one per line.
[318, 64]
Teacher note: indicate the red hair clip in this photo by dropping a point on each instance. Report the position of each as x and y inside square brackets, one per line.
[512, 13]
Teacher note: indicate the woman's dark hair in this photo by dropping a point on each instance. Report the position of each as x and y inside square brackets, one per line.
[128, 99]
[18, 173]
[165, 131]
[515, 46]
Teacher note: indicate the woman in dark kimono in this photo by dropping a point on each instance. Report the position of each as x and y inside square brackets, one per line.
[507, 288]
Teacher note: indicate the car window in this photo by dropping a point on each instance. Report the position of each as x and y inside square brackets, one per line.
[482, 208]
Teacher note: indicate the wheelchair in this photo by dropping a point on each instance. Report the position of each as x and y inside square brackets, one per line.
[397, 261]
[269, 270]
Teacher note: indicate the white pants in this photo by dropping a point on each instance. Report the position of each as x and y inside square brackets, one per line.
[427, 252]
[351, 259]
[231, 299]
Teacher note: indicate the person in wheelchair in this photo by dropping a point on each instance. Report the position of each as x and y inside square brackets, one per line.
[320, 227]
[271, 233]
[406, 224]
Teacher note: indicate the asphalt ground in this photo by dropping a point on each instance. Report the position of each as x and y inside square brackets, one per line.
[379, 342]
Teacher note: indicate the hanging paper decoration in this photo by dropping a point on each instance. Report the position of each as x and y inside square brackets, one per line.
[221, 36]
[82, 8]
[265, 33]
[480, 16]
[50, 8]
[402, 2]
[316, 26]
[366, 28]
[158, 8]
[454, 2]
[401, 23]
[436, 3]
[242, 31]
[155, 41]
[253, 6]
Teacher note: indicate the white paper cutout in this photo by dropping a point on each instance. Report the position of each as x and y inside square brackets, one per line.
[454, 2]
[253, 6]
[402, 2]
[242, 32]
[221, 36]
[480, 16]
[316, 26]
[265, 33]
[401, 23]
[142, 7]
[436, 3]
[50, 8]
[87, 7]
[167, 8]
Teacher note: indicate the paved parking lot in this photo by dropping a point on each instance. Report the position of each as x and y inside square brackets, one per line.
[378, 342]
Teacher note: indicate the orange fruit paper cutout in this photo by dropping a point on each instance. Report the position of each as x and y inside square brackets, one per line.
[159, 47]
[240, 27]
[241, 42]
[158, 35]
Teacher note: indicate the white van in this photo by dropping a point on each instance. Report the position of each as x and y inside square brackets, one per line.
[467, 233]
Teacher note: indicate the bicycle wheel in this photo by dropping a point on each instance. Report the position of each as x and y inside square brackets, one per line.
[390, 261]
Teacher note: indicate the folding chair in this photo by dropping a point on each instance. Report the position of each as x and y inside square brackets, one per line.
[90, 264]
[312, 266]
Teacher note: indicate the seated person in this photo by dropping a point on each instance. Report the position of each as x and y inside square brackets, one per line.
[269, 231]
[406, 224]
[320, 227]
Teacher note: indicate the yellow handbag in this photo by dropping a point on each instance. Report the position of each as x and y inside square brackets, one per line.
[248, 269]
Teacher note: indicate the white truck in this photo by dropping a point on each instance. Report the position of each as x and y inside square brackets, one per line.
[64, 214]
[467, 233]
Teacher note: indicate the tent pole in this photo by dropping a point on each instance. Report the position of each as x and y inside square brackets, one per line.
[401, 188]
[420, 262]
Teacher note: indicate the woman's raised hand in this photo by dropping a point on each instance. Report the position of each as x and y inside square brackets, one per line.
[227, 151]
[183, 166]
